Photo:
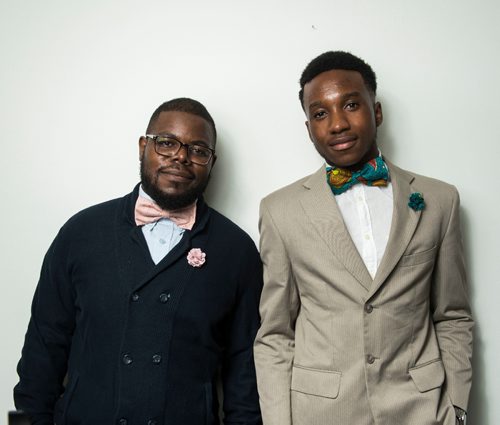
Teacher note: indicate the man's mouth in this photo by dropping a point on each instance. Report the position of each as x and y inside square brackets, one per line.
[176, 174]
[342, 143]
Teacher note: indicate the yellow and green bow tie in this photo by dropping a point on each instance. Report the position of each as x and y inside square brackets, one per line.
[373, 173]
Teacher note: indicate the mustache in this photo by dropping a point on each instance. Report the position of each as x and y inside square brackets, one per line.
[176, 167]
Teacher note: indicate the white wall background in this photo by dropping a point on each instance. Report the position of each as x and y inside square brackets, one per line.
[79, 80]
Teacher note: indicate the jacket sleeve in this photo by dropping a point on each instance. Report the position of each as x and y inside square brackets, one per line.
[275, 342]
[451, 310]
[43, 363]
[241, 400]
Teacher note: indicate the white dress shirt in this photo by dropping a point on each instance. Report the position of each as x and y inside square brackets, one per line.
[367, 214]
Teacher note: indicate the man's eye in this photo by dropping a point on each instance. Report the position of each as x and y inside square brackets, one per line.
[199, 151]
[166, 143]
[319, 114]
[352, 106]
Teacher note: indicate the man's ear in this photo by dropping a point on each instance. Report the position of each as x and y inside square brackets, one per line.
[308, 130]
[379, 116]
[142, 146]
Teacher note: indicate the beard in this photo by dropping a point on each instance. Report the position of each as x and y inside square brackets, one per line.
[165, 201]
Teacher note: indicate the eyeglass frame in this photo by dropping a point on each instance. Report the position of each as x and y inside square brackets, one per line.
[154, 138]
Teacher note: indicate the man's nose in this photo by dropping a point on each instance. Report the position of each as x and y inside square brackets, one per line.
[338, 122]
[182, 155]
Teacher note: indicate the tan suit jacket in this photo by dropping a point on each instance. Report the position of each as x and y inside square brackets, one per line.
[338, 347]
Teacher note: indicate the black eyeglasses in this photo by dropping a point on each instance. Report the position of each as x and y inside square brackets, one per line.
[168, 146]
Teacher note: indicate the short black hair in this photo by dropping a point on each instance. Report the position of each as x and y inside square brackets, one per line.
[184, 104]
[332, 60]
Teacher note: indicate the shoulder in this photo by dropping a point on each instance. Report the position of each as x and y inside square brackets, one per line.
[84, 232]
[286, 195]
[96, 218]
[95, 213]
[228, 230]
[236, 250]
[425, 184]
[439, 196]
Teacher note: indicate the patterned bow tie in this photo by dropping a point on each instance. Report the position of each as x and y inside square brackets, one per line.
[147, 212]
[373, 173]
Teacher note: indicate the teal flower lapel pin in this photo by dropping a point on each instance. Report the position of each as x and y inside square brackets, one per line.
[416, 201]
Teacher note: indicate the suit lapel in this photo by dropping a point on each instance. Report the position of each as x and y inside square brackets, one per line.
[404, 223]
[323, 213]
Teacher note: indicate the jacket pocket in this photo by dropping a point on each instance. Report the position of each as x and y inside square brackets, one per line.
[209, 400]
[62, 405]
[418, 257]
[428, 376]
[322, 383]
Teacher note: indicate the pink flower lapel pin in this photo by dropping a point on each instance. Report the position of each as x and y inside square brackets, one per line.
[196, 257]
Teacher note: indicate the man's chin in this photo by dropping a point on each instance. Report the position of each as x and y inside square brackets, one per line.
[169, 201]
[175, 199]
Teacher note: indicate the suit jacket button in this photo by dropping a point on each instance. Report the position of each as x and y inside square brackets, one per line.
[122, 421]
[370, 359]
[368, 308]
[164, 298]
[152, 422]
[157, 359]
[127, 359]
[135, 297]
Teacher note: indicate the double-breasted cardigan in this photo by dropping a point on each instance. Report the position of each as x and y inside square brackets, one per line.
[139, 343]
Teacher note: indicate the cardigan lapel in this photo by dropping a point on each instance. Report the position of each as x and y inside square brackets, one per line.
[323, 213]
[404, 223]
[136, 265]
[198, 233]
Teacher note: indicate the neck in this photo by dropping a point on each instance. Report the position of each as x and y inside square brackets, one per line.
[372, 154]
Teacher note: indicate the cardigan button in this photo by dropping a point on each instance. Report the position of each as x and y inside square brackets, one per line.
[164, 298]
[368, 308]
[370, 359]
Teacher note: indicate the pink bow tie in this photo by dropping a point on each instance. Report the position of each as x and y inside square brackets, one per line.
[147, 212]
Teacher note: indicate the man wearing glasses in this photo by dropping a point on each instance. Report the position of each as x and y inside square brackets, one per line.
[143, 300]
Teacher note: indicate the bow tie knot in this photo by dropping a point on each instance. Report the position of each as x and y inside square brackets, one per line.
[373, 173]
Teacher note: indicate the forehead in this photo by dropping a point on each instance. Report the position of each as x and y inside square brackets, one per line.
[334, 83]
[184, 126]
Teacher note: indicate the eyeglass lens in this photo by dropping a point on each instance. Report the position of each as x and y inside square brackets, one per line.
[168, 147]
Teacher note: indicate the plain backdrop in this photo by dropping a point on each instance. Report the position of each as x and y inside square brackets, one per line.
[80, 79]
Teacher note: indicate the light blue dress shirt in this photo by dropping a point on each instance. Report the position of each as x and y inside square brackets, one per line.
[160, 236]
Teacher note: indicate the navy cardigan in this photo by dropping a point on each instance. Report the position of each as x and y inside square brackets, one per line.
[140, 343]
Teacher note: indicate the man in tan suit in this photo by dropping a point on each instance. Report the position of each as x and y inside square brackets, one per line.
[365, 314]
